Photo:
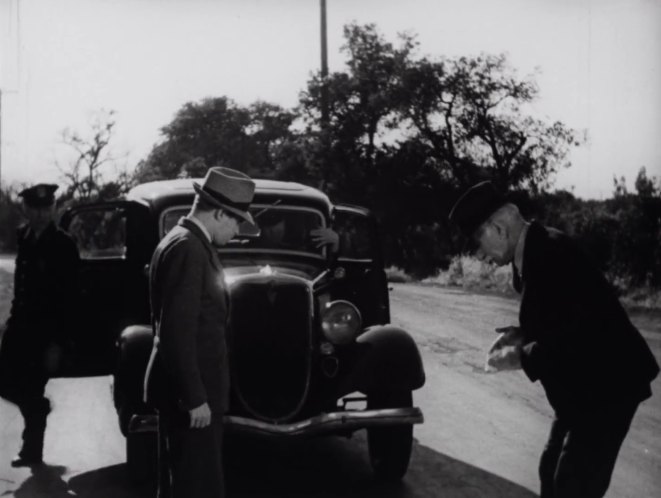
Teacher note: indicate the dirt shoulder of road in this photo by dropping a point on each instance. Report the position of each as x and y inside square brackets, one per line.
[644, 318]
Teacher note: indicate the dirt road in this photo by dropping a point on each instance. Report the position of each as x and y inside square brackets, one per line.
[482, 436]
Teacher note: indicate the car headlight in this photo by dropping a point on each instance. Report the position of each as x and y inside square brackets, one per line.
[340, 321]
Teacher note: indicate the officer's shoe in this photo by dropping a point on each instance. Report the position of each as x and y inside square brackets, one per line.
[26, 461]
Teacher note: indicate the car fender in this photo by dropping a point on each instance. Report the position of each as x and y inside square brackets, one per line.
[386, 359]
[134, 345]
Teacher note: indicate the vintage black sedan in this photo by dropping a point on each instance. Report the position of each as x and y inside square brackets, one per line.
[311, 348]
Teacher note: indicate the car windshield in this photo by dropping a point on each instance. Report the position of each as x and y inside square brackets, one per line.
[280, 229]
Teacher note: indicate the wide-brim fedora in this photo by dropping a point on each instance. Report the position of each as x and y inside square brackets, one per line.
[228, 189]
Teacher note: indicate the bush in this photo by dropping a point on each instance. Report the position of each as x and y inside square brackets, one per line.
[644, 298]
[472, 274]
[397, 275]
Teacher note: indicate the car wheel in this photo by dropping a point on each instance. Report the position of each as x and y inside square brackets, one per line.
[142, 456]
[390, 446]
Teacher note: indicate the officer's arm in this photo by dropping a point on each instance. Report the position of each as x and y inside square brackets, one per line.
[326, 237]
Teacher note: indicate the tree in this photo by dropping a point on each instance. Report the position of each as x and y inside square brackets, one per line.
[620, 187]
[647, 187]
[471, 113]
[362, 107]
[84, 177]
[217, 131]
[407, 134]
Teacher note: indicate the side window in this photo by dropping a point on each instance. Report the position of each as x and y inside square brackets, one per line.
[357, 235]
[100, 233]
[170, 218]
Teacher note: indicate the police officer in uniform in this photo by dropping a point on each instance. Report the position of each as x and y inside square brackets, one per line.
[44, 288]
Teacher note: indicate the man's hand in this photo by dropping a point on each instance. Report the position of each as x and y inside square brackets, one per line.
[200, 417]
[325, 236]
[505, 358]
[507, 336]
[505, 352]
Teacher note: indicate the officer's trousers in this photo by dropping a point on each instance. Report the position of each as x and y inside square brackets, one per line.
[23, 383]
[580, 454]
[190, 460]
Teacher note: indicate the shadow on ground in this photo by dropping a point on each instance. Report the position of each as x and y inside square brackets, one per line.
[47, 482]
[335, 468]
[328, 468]
[44, 481]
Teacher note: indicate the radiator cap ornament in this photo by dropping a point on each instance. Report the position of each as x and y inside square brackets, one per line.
[266, 270]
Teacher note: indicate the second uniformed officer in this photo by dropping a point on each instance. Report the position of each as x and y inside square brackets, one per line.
[44, 289]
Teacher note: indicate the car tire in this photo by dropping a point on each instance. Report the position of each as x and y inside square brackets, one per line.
[390, 446]
[142, 456]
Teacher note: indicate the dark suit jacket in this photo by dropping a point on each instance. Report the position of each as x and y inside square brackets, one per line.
[189, 364]
[578, 340]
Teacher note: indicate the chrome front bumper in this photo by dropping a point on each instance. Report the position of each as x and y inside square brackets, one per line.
[349, 420]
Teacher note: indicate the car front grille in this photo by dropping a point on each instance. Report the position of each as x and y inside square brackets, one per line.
[270, 343]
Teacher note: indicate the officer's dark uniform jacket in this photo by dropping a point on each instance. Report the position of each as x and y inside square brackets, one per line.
[45, 286]
[44, 293]
[578, 340]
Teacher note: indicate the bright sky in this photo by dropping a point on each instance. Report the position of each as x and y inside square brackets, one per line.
[600, 63]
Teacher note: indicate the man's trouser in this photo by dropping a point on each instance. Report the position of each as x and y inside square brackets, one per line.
[190, 460]
[23, 383]
[580, 454]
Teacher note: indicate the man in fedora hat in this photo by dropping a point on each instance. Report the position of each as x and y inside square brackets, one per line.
[44, 293]
[187, 378]
[573, 336]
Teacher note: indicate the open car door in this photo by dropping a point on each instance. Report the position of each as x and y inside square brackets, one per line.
[365, 283]
[115, 241]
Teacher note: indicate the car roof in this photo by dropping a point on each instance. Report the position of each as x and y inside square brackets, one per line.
[164, 193]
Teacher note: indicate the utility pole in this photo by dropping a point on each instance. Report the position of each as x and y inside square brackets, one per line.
[0, 143]
[18, 68]
[324, 68]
